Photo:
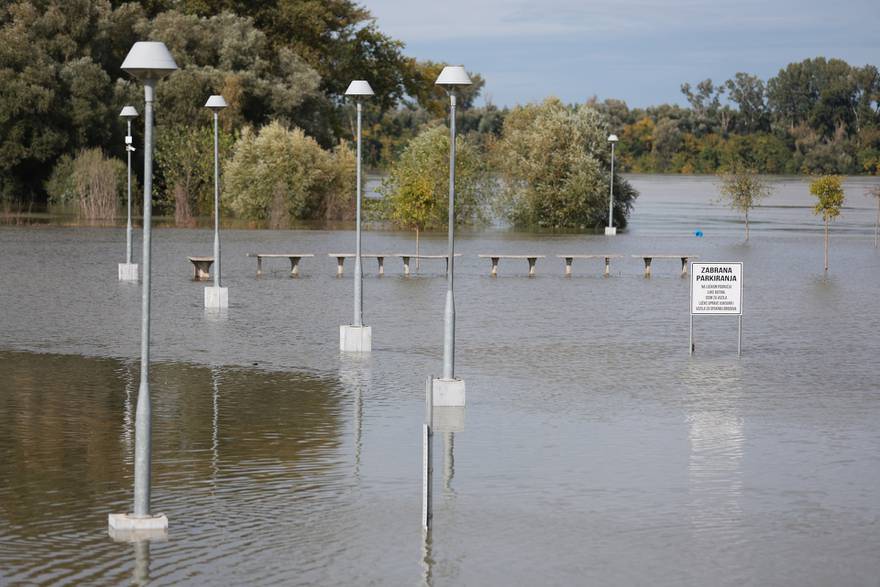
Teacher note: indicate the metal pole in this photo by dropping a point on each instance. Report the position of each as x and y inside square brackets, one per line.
[428, 457]
[358, 272]
[611, 191]
[128, 229]
[142, 415]
[739, 338]
[216, 203]
[691, 336]
[449, 315]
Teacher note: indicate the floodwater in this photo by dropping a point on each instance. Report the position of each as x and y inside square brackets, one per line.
[594, 449]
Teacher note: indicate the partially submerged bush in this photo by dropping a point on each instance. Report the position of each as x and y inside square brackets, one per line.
[280, 174]
[91, 182]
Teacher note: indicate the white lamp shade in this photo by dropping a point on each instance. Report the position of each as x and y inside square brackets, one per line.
[359, 87]
[612, 138]
[216, 103]
[453, 75]
[149, 60]
[128, 112]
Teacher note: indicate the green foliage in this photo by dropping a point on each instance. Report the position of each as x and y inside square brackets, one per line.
[91, 182]
[828, 190]
[416, 190]
[742, 189]
[554, 161]
[280, 175]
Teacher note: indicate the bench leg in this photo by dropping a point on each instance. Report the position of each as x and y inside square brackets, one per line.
[494, 272]
[568, 261]
[405, 265]
[607, 266]
[647, 266]
[259, 266]
[532, 261]
[381, 261]
[684, 266]
[340, 262]
[294, 266]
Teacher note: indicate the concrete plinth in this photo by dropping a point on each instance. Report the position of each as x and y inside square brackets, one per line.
[448, 392]
[448, 418]
[610, 230]
[355, 339]
[123, 523]
[216, 297]
[128, 272]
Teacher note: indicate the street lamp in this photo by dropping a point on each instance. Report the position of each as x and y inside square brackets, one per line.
[128, 271]
[148, 62]
[216, 296]
[610, 230]
[357, 337]
[449, 391]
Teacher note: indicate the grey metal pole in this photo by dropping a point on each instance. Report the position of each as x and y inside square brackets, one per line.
[449, 314]
[358, 272]
[216, 204]
[739, 337]
[611, 191]
[691, 336]
[128, 229]
[142, 415]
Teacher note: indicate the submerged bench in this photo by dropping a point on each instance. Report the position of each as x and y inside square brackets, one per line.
[293, 257]
[341, 257]
[649, 258]
[570, 258]
[532, 259]
[201, 267]
[406, 257]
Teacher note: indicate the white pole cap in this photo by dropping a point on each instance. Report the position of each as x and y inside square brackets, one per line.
[128, 112]
[453, 75]
[359, 87]
[612, 138]
[148, 60]
[216, 103]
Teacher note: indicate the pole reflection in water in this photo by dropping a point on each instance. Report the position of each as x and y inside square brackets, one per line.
[715, 432]
[355, 374]
[127, 419]
[427, 558]
[215, 424]
[141, 574]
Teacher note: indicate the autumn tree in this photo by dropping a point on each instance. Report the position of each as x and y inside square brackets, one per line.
[828, 190]
[742, 188]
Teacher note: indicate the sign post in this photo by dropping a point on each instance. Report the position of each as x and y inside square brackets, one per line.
[716, 289]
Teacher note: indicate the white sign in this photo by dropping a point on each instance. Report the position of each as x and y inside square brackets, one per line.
[716, 288]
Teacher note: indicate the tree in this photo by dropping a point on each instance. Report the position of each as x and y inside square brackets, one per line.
[554, 162]
[416, 190]
[875, 192]
[749, 93]
[828, 190]
[742, 188]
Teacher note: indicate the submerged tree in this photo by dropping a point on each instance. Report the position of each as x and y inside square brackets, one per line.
[416, 191]
[828, 189]
[875, 192]
[741, 189]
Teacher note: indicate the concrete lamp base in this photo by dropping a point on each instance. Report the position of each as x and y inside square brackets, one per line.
[610, 230]
[216, 297]
[448, 392]
[355, 339]
[130, 523]
[128, 272]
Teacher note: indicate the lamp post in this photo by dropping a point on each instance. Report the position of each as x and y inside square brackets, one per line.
[447, 390]
[128, 271]
[356, 337]
[610, 230]
[148, 62]
[216, 296]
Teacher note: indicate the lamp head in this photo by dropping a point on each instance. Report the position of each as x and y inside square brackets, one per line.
[453, 76]
[148, 60]
[359, 88]
[216, 103]
[128, 113]
[612, 138]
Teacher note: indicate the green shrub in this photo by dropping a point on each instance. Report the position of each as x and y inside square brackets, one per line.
[92, 182]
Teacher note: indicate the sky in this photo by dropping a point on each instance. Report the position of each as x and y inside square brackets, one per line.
[640, 51]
